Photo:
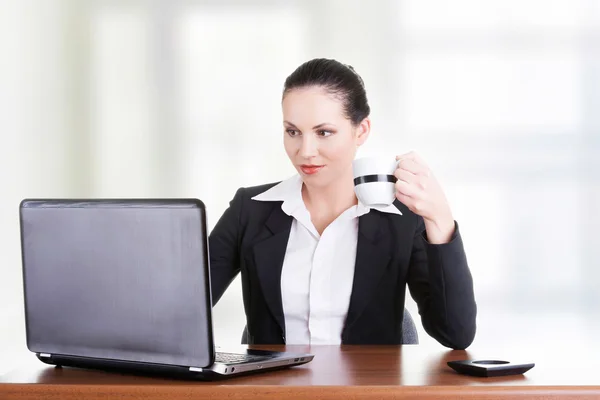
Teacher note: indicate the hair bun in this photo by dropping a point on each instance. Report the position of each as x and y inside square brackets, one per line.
[337, 78]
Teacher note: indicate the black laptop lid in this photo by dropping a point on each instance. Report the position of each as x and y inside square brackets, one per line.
[121, 280]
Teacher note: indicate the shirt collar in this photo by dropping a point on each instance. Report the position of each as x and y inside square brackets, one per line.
[290, 192]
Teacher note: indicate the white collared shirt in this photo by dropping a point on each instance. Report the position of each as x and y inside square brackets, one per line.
[318, 270]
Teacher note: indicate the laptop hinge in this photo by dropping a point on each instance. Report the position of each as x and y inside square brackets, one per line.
[45, 355]
[195, 369]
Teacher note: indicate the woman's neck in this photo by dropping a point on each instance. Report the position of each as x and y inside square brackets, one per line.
[331, 200]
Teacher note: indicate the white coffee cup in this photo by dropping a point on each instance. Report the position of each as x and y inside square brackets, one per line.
[374, 180]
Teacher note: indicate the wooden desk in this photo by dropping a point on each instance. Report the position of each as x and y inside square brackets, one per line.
[349, 372]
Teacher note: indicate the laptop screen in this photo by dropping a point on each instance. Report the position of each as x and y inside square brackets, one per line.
[123, 280]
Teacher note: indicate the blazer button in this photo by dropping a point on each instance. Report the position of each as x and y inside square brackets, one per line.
[283, 337]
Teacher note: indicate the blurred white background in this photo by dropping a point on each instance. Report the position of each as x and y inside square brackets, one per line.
[169, 98]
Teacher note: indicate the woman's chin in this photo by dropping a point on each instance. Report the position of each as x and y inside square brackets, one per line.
[317, 180]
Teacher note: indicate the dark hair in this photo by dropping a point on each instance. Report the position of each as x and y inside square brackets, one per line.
[338, 79]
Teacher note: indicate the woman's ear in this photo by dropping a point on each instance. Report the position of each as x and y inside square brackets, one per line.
[362, 131]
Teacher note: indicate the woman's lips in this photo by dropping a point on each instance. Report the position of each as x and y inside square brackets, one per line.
[310, 169]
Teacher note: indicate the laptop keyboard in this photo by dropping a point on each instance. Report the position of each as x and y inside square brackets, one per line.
[233, 358]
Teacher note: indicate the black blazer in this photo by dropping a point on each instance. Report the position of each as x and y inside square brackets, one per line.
[392, 251]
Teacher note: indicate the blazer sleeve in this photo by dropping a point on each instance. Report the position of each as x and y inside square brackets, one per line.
[224, 248]
[440, 282]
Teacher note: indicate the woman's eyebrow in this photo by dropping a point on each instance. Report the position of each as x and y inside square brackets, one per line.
[322, 125]
[314, 127]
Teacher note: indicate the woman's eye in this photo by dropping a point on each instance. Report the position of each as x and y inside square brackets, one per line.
[324, 133]
[292, 132]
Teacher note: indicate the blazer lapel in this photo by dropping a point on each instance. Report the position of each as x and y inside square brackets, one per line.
[268, 257]
[372, 258]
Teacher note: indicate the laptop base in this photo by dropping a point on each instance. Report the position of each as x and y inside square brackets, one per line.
[217, 371]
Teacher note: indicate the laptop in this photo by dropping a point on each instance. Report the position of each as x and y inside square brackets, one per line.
[125, 284]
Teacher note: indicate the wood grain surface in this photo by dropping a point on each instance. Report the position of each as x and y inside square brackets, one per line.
[349, 372]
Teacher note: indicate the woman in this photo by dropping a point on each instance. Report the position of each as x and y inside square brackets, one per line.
[319, 267]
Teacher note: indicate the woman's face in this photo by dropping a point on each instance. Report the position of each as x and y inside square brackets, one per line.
[318, 138]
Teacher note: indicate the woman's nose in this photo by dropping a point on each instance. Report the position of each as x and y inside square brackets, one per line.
[309, 147]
